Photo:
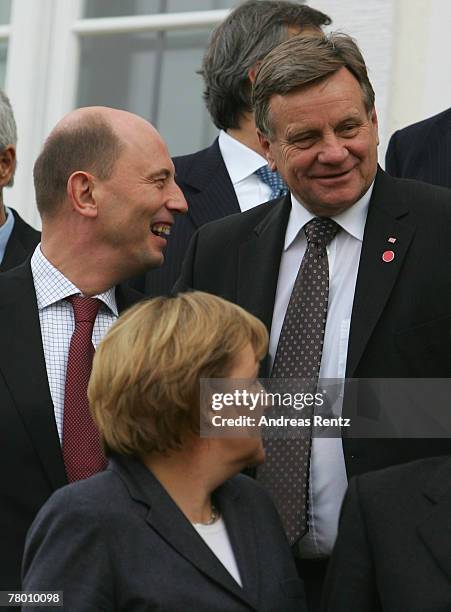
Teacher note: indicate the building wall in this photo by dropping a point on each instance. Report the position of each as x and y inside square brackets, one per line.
[403, 41]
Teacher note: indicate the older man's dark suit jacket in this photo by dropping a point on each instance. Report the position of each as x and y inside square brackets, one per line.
[117, 541]
[393, 551]
[30, 454]
[21, 243]
[422, 151]
[207, 187]
[401, 316]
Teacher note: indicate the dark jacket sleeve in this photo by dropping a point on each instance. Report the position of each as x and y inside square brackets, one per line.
[350, 583]
[66, 551]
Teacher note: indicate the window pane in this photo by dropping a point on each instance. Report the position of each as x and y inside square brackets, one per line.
[153, 75]
[3, 57]
[119, 8]
[5, 11]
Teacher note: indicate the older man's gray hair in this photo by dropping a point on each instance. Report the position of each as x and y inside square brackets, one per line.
[302, 61]
[8, 129]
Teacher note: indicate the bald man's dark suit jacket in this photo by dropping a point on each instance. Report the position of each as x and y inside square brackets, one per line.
[422, 151]
[393, 551]
[21, 243]
[401, 316]
[30, 454]
[207, 187]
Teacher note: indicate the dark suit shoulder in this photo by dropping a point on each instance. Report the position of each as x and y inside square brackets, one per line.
[421, 128]
[243, 221]
[420, 150]
[400, 482]
[88, 496]
[21, 243]
[189, 159]
[16, 282]
[28, 234]
[197, 168]
[186, 161]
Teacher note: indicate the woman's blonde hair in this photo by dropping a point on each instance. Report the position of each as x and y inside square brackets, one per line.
[144, 387]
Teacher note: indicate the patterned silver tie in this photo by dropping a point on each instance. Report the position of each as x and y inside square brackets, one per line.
[273, 180]
[285, 472]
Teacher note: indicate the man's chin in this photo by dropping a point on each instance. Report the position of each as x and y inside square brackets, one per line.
[152, 261]
[332, 206]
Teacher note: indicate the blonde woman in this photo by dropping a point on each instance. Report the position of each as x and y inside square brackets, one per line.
[170, 525]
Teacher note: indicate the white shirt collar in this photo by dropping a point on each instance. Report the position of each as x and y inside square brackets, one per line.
[240, 160]
[52, 286]
[352, 220]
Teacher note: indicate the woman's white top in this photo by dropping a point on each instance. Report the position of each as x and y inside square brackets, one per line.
[217, 538]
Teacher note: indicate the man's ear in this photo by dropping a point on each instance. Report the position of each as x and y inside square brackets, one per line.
[80, 191]
[266, 146]
[375, 123]
[7, 165]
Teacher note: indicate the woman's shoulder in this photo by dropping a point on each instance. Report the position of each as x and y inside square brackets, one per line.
[86, 496]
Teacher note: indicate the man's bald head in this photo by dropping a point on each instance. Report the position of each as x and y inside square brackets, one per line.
[87, 139]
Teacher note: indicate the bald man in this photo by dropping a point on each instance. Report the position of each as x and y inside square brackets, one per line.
[106, 194]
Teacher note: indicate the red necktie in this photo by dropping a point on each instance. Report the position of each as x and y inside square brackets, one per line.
[82, 451]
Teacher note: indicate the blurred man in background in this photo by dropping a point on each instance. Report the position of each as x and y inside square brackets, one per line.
[17, 238]
[422, 151]
[232, 174]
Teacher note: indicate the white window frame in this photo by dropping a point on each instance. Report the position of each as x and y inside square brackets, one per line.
[41, 75]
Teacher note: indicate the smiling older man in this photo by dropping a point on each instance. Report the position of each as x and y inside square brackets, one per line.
[369, 298]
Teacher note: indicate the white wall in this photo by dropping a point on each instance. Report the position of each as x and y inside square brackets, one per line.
[421, 76]
[406, 48]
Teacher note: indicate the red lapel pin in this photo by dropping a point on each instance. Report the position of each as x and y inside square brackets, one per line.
[388, 256]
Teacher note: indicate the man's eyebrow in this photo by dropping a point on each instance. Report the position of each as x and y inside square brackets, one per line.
[163, 173]
[301, 130]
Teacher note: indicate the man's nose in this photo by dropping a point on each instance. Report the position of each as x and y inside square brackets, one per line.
[333, 151]
[176, 201]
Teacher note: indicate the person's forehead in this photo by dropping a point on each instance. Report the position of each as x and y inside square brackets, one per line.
[144, 158]
[324, 95]
[144, 143]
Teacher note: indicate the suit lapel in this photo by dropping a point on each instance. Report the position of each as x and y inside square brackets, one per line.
[387, 217]
[215, 196]
[243, 537]
[22, 364]
[172, 526]
[435, 530]
[259, 261]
